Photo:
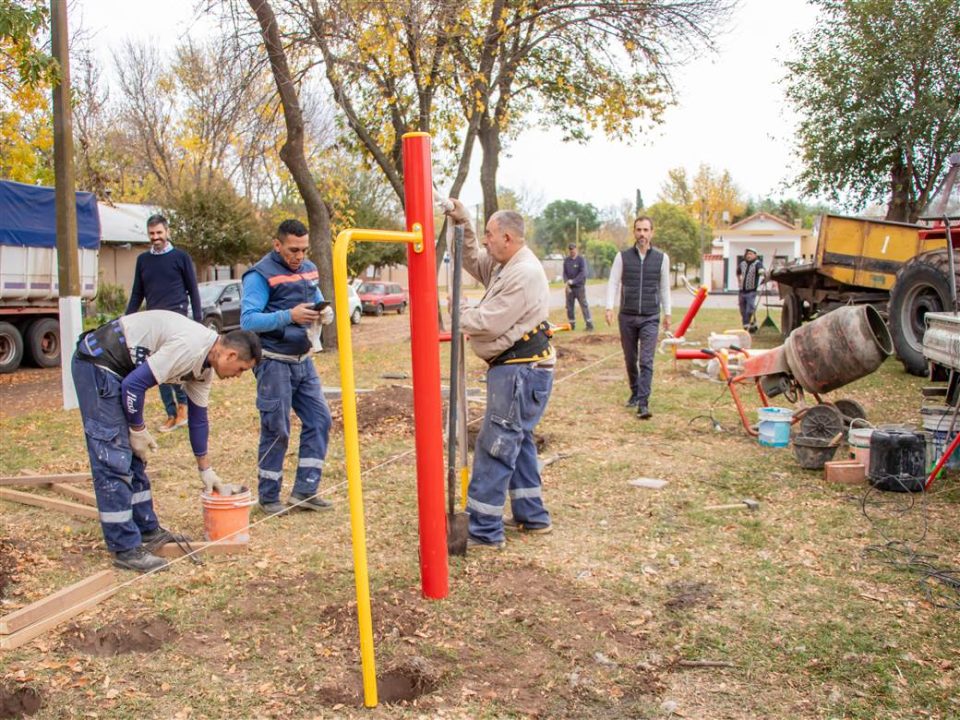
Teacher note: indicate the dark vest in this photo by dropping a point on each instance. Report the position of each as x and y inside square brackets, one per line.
[640, 284]
[287, 290]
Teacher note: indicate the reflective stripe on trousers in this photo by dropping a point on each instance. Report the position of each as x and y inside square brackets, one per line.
[505, 457]
[120, 481]
[282, 386]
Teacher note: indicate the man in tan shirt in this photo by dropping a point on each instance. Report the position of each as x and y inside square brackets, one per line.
[509, 330]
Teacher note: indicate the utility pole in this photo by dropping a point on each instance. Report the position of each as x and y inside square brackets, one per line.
[576, 236]
[68, 256]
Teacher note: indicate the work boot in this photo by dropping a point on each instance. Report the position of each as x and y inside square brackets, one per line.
[643, 412]
[473, 542]
[181, 419]
[632, 402]
[140, 560]
[589, 326]
[511, 524]
[161, 536]
[573, 325]
[168, 425]
[309, 502]
[273, 508]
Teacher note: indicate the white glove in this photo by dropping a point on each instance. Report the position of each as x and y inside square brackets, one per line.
[142, 441]
[326, 315]
[570, 282]
[212, 481]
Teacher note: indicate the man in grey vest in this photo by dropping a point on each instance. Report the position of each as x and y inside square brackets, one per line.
[640, 277]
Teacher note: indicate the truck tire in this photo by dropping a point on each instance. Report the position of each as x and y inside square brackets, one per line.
[11, 348]
[922, 286]
[790, 314]
[43, 342]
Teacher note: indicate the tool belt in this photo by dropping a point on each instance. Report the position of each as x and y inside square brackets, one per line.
[106, 347]
[532, 347]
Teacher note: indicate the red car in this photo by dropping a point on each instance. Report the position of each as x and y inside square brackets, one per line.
[375, 297]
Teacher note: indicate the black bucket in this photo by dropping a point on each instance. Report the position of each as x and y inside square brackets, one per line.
[897, 460]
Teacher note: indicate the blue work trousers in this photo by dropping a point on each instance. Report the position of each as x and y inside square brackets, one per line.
[172, 395]
[638, 338]
[748, 305]
[120, 479]
[280, 387]
[505, 457]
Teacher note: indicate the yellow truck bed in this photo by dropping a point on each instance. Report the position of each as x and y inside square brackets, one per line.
[867, 253]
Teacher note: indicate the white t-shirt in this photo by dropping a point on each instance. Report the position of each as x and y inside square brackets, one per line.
[175, 347]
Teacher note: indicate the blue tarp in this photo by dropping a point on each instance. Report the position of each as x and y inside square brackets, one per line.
[28, 217]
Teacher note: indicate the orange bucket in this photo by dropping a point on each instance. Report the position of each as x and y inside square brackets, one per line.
[227, 517]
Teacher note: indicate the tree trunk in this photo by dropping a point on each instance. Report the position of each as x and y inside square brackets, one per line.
[489, 136]
[294, 157]
[899, 209]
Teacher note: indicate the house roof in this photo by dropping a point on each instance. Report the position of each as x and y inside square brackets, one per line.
[125, 222]
[761, 216]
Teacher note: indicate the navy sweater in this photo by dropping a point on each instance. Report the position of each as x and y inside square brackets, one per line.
[165, 281]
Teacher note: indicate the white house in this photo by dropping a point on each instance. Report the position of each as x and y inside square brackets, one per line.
[776, 241]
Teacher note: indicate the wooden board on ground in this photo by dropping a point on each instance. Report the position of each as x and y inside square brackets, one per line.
[34, 480]
[84, 496]
[49, 503]
[172, 550]
[46, 608]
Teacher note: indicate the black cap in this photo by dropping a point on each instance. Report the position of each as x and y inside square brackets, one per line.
[571, 246]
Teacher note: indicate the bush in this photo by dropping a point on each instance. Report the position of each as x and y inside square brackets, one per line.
[111, 300]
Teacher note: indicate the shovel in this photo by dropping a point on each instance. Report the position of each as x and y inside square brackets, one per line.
[457, 522]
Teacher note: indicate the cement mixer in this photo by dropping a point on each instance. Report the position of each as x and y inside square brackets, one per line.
[832, 351]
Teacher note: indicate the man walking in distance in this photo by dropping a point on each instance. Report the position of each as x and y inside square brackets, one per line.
[750, 274]
[575, 276]
[165, 278]
[509, 330]
[281, 298]
[112, 369]
[640, 277]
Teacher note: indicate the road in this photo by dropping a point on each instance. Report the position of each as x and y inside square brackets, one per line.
[31, 389]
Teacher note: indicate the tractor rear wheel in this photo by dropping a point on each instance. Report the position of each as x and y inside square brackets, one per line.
[922, 286]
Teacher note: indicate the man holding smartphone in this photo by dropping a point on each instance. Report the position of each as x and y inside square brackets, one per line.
[281, 300]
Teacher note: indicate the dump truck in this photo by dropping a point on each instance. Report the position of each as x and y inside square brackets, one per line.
[29, 276]
[902, 269]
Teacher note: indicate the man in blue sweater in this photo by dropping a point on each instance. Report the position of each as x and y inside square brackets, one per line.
[165, 278]
[281, 298]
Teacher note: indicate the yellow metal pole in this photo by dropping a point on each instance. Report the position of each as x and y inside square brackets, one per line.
[352, 445]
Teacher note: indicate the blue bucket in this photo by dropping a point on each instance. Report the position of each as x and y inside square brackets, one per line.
[774, 426]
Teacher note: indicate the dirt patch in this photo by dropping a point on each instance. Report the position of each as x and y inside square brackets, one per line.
[570, 354]
[547, 628]
[597, 340]
[389, 409]
[686, 595]
[142, 635]
[18, 702]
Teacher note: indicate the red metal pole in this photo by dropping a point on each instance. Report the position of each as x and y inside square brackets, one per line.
[691, 311]
[425, 344]
[688, 354]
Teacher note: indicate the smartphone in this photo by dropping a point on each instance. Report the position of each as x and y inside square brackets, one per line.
[322, 305]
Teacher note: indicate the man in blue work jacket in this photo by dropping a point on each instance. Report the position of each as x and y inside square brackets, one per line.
[281, 299]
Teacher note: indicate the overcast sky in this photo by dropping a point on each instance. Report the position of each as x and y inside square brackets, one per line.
[730, 113]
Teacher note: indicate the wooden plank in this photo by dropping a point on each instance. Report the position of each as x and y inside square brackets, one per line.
[34, 480]
[49, 503]
[172, 550]
[60, 600]
[84, 496]
[10, 642]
